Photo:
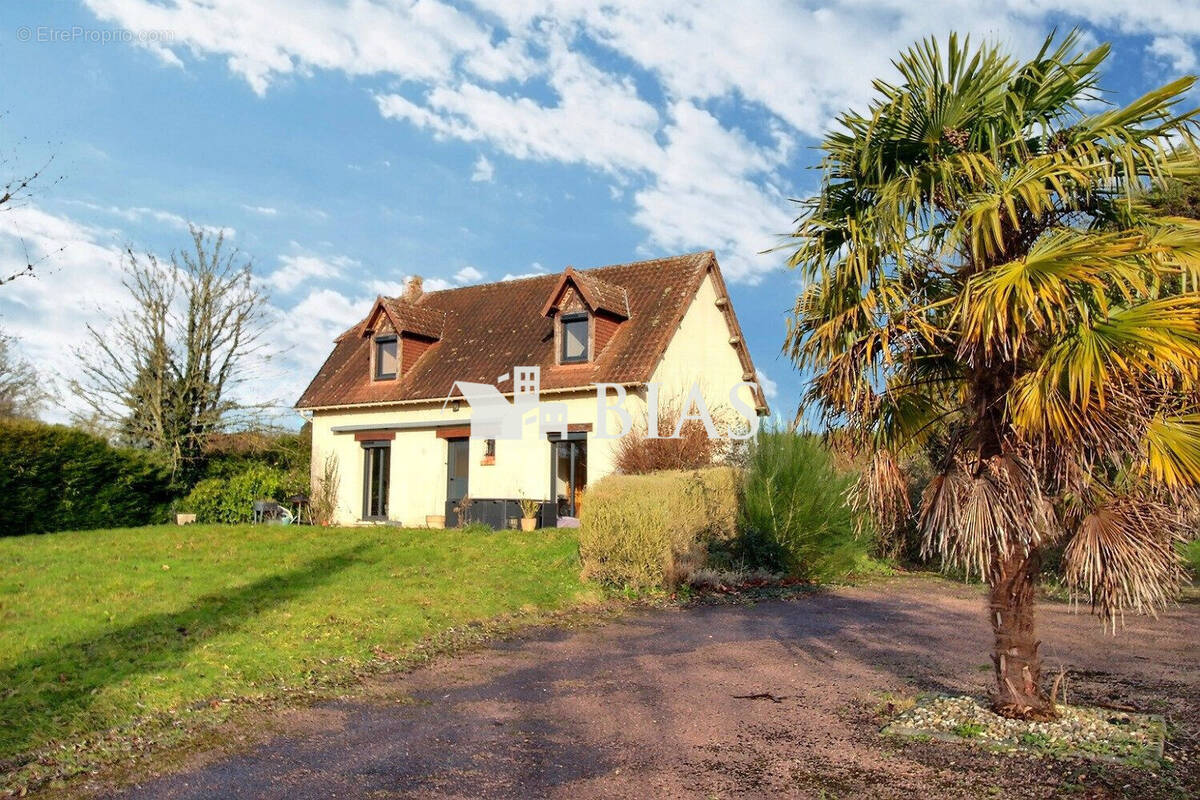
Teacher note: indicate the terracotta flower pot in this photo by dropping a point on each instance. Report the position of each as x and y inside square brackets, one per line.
[528, 523]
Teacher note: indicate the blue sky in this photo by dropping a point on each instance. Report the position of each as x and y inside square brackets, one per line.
[348, 145]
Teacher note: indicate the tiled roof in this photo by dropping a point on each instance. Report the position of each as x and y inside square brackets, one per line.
[492, 327]
[599, 294]
[423, 320]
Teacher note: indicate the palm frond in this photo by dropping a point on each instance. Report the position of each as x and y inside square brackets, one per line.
[1121, 557]
[975, 519]
[1173, 450]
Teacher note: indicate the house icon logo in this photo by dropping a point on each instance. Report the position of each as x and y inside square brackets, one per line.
[494, 417]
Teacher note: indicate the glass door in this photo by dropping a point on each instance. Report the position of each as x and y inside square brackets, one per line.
[377, 469]
[458, 470]
[570, 475]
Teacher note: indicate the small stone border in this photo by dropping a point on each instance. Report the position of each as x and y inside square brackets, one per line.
[1098, 734]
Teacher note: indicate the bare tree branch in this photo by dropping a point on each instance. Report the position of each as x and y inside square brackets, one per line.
[15, 192]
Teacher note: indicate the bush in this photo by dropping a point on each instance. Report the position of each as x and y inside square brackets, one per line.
[55, 478]
[642, 531]
[794, 516]
[231, 499]
[638, 454]
[325, 492]
[227, 454]
[1191, 557]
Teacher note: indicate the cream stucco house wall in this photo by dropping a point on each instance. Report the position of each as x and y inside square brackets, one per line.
[385, 407]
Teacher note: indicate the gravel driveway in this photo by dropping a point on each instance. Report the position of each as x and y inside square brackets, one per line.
[780, 698]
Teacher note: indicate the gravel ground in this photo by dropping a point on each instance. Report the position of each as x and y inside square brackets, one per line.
[1094, 732]
[780, 698]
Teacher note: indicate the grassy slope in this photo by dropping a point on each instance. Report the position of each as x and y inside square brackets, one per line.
[101, 627]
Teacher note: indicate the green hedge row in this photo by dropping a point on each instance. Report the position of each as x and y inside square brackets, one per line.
[54, 478]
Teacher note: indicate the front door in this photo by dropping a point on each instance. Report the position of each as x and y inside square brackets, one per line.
[458, 461]
[570, 474]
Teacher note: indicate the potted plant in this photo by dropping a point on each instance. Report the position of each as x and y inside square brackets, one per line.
[529, 511]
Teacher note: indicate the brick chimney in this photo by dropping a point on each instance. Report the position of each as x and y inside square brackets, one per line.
[413, 290]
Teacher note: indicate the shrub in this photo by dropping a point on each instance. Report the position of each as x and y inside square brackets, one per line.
[231, 499]
[227, 454]
[794, 516]
[1191, 557]
[325, 492]
[637, 453]
[642, 531]
[55, 478]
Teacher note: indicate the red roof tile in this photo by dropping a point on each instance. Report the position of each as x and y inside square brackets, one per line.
[414, 318]
[598, 293]
[492, 327]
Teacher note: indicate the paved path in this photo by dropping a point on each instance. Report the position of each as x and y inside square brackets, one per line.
[655, 705]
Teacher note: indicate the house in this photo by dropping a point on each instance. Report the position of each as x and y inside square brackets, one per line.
[394, 402]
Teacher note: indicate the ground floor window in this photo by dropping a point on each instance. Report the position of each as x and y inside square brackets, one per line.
[570, 474]
[377, 468]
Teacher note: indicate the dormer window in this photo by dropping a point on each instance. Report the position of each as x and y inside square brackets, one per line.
[387, 350]
[575, 338]
[587, 312]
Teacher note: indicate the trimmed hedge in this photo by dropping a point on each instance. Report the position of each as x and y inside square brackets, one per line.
[55, 478]
[641, 531]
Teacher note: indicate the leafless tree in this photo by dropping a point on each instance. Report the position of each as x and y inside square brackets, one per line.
[164, 372]
[22, 392]
[16, 189]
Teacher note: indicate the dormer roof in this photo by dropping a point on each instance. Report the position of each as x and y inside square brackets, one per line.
[405, 317]
[599, 294]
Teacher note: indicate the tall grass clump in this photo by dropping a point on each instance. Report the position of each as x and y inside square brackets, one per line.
[655, 530]
[794, 516]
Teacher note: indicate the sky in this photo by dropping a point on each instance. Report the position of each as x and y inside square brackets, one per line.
[345, 145]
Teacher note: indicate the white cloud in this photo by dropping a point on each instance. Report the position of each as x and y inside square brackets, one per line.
[266, 211]
[769, 387]
[299, 269]
[140, 214]
[535, 270]
[483, 172]
[468, 274]
[1174, 50]
[598, 119]
[390, 288]
[264, 41]
[79, 282]
[308, 328]
[715, 191]
[436, 284]
[630, 88]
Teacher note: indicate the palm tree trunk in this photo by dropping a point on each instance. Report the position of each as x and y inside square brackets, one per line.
[1015, 657]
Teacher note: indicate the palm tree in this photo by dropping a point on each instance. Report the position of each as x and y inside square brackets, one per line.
[986, 283]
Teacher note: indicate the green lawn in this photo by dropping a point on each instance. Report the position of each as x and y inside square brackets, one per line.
[111, 628]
